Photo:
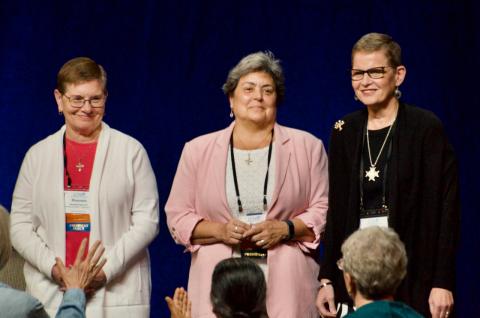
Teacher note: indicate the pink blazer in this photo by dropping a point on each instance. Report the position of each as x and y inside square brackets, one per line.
[301, 191]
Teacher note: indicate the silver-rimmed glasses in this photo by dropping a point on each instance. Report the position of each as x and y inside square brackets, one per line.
[374, 73]
[78, 101]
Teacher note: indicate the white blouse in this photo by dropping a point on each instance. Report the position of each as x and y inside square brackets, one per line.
[251, 168]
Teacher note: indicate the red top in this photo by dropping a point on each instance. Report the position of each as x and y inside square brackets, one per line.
[80, 159]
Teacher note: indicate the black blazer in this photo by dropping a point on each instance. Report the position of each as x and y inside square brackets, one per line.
[423, 201]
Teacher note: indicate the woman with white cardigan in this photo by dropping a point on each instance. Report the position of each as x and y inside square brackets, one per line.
[87, 181]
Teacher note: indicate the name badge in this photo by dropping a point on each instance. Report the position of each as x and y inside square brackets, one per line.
[77, 202]
[381, 221]
[253, 217]
[374, 217]
[248, 248]
[77, 222]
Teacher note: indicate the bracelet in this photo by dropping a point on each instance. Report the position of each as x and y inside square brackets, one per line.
[291, 230]
[324, 284]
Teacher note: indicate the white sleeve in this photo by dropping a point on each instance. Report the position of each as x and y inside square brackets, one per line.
[145, 218]
[24, 225]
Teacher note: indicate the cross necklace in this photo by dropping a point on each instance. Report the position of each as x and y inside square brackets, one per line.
[79, 158]
[79, 165]
[248, 160]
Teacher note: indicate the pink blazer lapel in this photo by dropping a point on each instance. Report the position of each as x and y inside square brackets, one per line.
[282, 157]
[220, 155]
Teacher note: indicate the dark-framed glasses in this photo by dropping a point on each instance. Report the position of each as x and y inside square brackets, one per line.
[374, 73]
[78, 101]
[340, 264]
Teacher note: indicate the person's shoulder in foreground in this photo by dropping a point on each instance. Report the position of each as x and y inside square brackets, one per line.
[15, 303]
[385, 308]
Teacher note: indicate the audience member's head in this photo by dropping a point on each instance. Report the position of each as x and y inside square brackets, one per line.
[374, 263]
[5, 244]
[238, 289]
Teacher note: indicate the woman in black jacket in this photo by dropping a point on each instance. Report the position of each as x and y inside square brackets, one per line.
[390, 164]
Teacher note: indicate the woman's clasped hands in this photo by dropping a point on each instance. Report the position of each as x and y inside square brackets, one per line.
[265, 234]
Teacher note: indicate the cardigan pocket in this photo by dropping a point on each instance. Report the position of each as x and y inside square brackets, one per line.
[132, 287]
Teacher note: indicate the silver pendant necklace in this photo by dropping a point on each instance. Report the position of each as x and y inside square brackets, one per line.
[372, 172]
[248, 160]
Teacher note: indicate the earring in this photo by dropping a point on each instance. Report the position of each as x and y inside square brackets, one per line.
[231, 113]
[60, 113]
[355, 98]
[398, 93]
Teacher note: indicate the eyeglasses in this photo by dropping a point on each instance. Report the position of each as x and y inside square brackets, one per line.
[340, 264]
[78, 101]
[374, 73]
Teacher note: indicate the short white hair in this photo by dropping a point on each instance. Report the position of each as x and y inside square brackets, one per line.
[376, 259]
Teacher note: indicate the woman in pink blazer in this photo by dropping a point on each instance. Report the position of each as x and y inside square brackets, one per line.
[255, 189]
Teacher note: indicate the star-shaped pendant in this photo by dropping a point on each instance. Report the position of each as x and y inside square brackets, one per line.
[372, 173]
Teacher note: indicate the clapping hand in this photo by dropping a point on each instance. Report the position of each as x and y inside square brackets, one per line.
[180, 306]
[84, 270]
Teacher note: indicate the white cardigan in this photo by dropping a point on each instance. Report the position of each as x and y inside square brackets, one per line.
[124, 216]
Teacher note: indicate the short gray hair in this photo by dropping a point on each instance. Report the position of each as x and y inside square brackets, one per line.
[257, 62]
[5, 244]
[373, 42]
[376, 260]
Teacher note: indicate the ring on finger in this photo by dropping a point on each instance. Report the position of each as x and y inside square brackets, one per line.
[261, 241]
[236, 229]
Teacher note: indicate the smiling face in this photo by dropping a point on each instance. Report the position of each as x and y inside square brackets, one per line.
[254, 100]
[376, 92]
[83, 123]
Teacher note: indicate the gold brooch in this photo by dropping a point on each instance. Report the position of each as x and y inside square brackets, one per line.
[339, 124]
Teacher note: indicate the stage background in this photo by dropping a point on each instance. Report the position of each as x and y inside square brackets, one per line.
[167, 60]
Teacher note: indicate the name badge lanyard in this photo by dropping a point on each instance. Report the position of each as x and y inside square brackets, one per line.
[384, 207]
[69, 179]
[235, 181]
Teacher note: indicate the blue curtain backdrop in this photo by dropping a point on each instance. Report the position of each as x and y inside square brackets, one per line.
[167, 60]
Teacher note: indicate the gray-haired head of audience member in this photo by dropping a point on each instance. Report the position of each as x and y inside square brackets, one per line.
[5, 244]
[257, 62]
[238, 289]
[374, 262]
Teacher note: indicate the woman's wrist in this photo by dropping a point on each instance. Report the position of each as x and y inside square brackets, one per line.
[207, 232]
[324, 282]
[219, 231]
[290, 232]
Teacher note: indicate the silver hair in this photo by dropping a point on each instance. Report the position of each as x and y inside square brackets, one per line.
[257, 62]
[376, 260]
[5, 244]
